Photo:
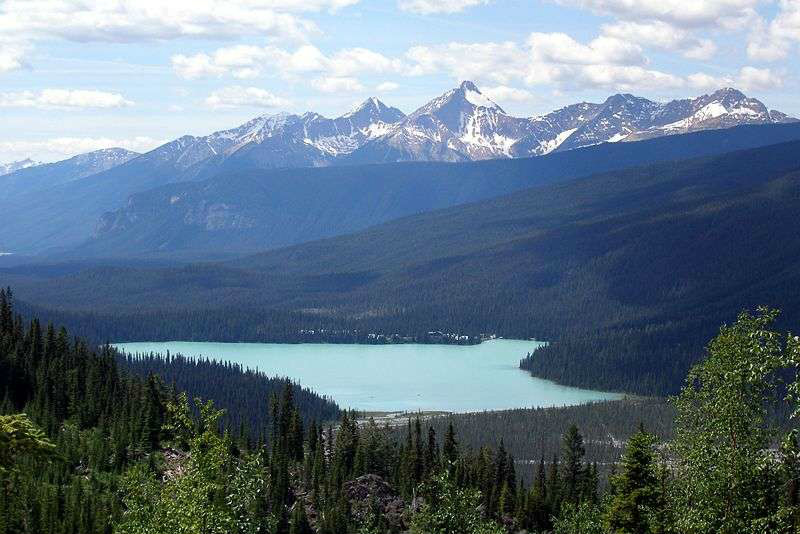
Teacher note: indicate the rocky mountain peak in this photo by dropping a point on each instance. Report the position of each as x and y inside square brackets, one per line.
[372, 110]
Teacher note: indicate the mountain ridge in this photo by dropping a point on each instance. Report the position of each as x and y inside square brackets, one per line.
[247, 211]
[43, 176]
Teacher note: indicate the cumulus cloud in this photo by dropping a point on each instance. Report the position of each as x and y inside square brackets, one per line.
[238, 96]
[64, 147]
[659, 34]
[504, 93]
[561, 48]
[752, 78]
[681, 13]
[499, 63]
[11, 58]
[148, 20]
[337, 84]
[428, 7]
[24, 22]
[545, 59]
[774, 41]
[63, 98]
[748, 78]
[386, 87]
[245, 62]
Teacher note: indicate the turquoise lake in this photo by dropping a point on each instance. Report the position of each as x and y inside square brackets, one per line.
[451, 378]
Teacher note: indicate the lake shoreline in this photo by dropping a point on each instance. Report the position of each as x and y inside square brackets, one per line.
[396, 377]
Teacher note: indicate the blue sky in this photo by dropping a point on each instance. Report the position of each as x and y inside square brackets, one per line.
[81, 75]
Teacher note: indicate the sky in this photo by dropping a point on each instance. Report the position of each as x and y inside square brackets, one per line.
[79, 75]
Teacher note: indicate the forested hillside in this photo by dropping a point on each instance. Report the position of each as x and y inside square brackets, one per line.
[101, 452]
[90, 420]
[627, 273]
[254, 210]
[240, 392]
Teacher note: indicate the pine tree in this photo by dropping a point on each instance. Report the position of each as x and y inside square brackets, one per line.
[573, 470]
[450, 447]
[635, 488]
[299, 523]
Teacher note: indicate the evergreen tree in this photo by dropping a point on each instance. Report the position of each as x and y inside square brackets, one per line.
[450, 447]
[635, 501]
[573, 470]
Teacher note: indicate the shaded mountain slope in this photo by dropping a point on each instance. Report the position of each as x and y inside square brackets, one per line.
[257, 210]
[627, 272]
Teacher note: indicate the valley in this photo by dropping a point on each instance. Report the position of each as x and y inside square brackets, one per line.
[408, 377]
[357, 300]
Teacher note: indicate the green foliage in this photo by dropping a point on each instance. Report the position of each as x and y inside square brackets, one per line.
[20, 437]
[193, 498]
[583, 518]
[637, 503]
[729, 479]
[449, 509]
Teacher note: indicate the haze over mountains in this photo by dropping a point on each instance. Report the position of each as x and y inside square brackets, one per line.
[8, 168]
[45, 175]
[59, 206]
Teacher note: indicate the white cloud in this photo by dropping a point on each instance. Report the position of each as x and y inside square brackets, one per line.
[246, 62]
[748, 79]
[561, 48]
[682, 13]
[25, 22]
[237, 96]
[11, 58]
[504, 93]
[498, 63]
[774, 41]
[334, 84]
[662, 35]
[428, 7]
[386, 87]
[701, 80]
[149, 20]
[752, 78]
[63, 98]
[196, 66]
[547, 59]
[626, 78]
[64, 147]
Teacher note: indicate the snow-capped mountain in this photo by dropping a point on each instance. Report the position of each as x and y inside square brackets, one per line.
[463, 124]
[8, 168]
[277, 141]
[40, 176]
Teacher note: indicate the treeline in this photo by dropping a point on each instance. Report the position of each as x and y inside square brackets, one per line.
[100, 421]
[532, 434]
[241, 392]
[104, 451]
[99, 418]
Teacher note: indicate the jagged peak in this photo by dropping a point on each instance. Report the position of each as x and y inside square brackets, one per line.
[467, 85]
[467, 92]
[728, 91]
[374, 106]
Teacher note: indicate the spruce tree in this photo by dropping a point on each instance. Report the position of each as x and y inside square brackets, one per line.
[572, 467]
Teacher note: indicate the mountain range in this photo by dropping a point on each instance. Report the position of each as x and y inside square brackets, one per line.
[41, 176]
[249, 211]
[58, 206]
[14, 166]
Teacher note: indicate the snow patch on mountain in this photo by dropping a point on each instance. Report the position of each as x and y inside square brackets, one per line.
[14, 166]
